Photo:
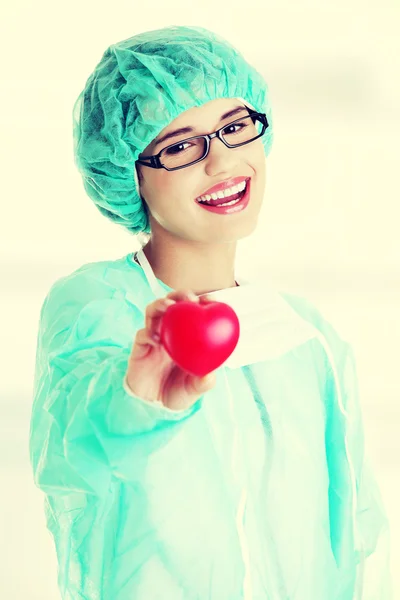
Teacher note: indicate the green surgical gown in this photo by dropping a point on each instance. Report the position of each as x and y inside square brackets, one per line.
[260, 491]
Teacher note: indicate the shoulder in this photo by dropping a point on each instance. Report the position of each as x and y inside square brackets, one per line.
[100, 279]
[101, 286]
[97, 302]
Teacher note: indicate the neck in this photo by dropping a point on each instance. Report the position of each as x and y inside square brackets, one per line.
[186, 265]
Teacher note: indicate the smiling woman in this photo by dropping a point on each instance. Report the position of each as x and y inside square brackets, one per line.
[160, 483]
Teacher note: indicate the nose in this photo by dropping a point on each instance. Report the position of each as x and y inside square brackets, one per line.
[220, 158]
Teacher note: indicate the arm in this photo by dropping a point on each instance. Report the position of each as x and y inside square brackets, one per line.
[86, 427]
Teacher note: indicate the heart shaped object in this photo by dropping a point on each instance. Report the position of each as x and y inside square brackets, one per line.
[199, 337]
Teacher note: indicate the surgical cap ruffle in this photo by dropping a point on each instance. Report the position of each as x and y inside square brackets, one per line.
[137, 89]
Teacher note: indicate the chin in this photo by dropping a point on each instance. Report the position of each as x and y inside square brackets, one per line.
[234, 233]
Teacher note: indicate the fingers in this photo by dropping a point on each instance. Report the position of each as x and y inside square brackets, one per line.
[155, 311]
[183, 295]
[143, 340]
[201, 384]
[205, 299]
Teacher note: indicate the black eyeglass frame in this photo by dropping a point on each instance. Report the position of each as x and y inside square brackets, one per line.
[155, 162]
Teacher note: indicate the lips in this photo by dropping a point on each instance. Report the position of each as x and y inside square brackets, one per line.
[219, 201]
[229, 209]
[220, 187]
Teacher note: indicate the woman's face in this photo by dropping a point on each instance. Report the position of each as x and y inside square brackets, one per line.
[171, 195]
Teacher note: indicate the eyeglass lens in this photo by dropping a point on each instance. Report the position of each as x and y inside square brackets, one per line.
[187, 152]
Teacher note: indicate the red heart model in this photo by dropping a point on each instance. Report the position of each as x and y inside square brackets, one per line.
[199, 337]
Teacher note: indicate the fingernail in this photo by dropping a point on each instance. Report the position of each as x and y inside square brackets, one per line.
[192, 296]
[156, 337]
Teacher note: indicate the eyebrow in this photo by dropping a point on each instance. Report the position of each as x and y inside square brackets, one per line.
[176, 132]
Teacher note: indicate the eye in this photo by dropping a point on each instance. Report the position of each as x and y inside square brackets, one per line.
[239, 125]
[174, 150]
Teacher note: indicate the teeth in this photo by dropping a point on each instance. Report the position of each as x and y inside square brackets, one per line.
[227, 203]
[224, 194]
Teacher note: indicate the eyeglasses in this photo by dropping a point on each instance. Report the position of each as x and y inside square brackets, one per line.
[192, 150]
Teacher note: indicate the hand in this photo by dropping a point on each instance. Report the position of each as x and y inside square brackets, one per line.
[152, 374]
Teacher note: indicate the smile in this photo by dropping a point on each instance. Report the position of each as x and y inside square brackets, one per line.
[235, 202]
[224, 196]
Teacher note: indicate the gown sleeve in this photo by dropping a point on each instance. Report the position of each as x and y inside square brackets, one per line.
[86, 426]
[374, 576]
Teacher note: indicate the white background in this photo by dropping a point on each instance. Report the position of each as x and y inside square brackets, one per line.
[328, 230]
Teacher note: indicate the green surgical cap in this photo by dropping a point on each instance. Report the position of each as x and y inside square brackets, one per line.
[137, 89]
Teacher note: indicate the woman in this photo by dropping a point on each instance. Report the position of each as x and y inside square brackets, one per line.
[250, 483]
